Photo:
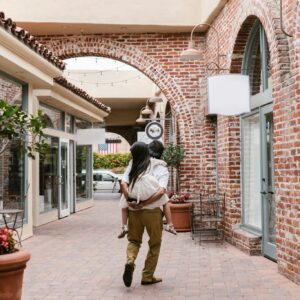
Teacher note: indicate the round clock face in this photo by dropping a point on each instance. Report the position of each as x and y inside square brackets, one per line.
[154, 130]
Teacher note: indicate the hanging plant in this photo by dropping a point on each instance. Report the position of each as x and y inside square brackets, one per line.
[22, 128]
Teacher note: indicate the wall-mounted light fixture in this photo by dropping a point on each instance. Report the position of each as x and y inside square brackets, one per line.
[228, 94]
[281, 20]
[140, 119]
[191, 53]
[147, 110]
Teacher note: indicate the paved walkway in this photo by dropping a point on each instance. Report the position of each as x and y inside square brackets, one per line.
[80, 257]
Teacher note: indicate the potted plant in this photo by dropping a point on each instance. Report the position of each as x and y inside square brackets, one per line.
[181, 211]
[173, 155]
[180, 208]
[12, 264]
[24, 130]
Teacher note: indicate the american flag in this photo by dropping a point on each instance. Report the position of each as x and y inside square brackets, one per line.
[107, 148]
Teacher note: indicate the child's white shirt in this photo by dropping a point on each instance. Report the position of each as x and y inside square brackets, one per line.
[157, 177]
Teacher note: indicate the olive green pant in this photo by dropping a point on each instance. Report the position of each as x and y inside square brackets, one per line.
[151, 219]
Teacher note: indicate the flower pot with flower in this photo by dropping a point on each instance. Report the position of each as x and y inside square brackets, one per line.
[12, 264]
[24, 130]
[181, 211]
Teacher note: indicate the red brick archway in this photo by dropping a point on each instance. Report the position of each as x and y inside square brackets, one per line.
[156, 56]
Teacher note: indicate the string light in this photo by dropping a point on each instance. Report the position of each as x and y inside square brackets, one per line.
[117, 68]
[112, 83]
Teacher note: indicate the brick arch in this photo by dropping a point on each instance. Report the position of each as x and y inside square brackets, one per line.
[264, 12]
[130, 54]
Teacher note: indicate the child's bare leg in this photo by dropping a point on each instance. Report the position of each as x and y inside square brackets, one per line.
[124, 216]
[167, 212]
[124, 230]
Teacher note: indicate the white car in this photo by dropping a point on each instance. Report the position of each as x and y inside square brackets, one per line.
[106, 181]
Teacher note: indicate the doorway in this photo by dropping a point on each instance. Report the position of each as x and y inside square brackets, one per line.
[258, 199]
[267, 184]
[64, 178]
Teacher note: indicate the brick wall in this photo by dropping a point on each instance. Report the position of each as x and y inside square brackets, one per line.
[234, 24]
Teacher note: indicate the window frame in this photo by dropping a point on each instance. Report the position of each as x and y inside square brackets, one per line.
[25, 105]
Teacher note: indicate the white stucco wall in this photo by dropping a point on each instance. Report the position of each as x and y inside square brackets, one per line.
[126, 12]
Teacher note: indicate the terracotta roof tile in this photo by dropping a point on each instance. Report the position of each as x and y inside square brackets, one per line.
[30, 41]
[65, 83]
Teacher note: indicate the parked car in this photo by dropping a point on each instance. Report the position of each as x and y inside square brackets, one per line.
[106, 181]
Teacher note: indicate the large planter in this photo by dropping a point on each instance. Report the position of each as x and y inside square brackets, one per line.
[181, 216]
[11, 274]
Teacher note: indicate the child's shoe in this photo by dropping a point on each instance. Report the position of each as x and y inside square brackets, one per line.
[170, 228]
[123, 232]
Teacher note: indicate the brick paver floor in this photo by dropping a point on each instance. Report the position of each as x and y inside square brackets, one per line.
[80, 258]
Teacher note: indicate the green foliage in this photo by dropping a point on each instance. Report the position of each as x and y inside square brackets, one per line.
[110, 161]
[22, 128]
[173, 155]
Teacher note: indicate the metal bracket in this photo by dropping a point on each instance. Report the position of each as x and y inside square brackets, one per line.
[281, 21]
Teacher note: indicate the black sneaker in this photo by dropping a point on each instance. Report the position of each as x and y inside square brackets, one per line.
[122, 234]
[128, 272]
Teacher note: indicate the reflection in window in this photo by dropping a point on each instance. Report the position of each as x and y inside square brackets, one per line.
[83, 173]
[12, 178]
[49, 176]
[53, 117]
[255, 66]
[12, 169]
[257, 60]
[251, 172]
[82, 124]
[69, 123]
[10, 91]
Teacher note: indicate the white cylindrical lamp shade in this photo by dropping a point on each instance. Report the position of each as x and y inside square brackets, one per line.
[228, 94]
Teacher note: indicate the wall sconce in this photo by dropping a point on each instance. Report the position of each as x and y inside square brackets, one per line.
[228, 94]
[147, 110]
[140, 119]
[191, 53]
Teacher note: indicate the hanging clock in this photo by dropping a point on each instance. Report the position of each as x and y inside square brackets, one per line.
[154, 130]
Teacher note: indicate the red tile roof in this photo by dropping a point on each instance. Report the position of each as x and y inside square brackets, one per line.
[65, 83]
[30, 41]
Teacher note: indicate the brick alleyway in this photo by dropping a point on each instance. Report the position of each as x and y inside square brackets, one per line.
[80, 258]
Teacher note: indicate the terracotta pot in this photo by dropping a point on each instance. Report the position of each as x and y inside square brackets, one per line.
[181, 216]
[11, 274]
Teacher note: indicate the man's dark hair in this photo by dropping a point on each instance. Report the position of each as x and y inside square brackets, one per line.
[156, 149]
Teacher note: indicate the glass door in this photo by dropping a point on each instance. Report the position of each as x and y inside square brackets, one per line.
[267, 183]
[64, 179]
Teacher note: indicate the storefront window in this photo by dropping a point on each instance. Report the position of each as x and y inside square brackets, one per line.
[257, 60]
[12, 162]
[53, 117]
[83, 172]
[49, 176]
[82, 124]
[251, 172]
[69, 123]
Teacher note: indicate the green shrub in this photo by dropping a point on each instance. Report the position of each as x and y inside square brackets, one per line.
[111, 161]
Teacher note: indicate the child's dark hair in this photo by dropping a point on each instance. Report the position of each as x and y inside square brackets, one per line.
[156, 149]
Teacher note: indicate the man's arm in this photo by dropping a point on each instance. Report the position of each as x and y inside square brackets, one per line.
[156, 196]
